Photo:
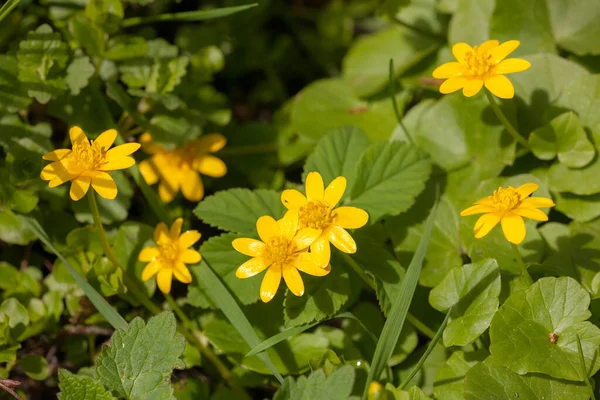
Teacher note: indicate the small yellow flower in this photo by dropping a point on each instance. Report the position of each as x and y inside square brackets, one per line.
[317, 211]
[170, 255]
[87, 163]
[180, 168]
[376, 391]
[508, 205]
[283, 251]
[481, 65]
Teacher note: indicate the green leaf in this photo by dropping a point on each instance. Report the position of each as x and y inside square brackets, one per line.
[491, 381]
[139, 361]
[130, 239]
[390, 177]
[336, 155]
[574, 25]
[14, 228]
[80, 387]
[318, 386]
[521, 330]
[471, 293]
[323, 296]
[78, 74]
[579, 181]
[191, 389]
[449, 381]
[365, 66]
[526, 21]
[90, 37]
[471, 22]
[24, 140]
[236, 210]
[391, 7]
[201, 15]
[426, 374]
[331, 103]
[583, 97]
[578, 208]
[35, 367]
[107, 14]
[13, 94]
[126, 47]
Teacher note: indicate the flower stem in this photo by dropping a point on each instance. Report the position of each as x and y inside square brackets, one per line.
[520, 261]
[505, 120]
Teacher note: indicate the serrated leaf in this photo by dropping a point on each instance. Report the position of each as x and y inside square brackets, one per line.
[318, 386]
[78, 74]
[90, 37]
[336, 155]
[471, 292]
[80, 387]
[126, 47]
[390, 177]
[521, 330]
[139, 361]
[13, 94]
[236, 210]
[449, 381]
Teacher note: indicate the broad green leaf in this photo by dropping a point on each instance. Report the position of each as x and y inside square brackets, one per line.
[80, 387]
[579, 181]
[526, 21]
[200, 15]
[14, 228]
[491, 381]
[35, 366]
[331, 103]
[318, 386]
[414, 393]
[336, 155]
[449, 381]
[391, 7]
[111, 211]
[323, 296]
[78, 74]
[89, 36]
[583, 97]
[390, 176]
[471, 294]
[13, 94]
[130, 239]
[24, 140]
[365, 66]
[471, 22]
[126, 47]
[521, 330]
[18, 316]
[139, 361]
[563, 137]
[191, 389]
[578, 208]
[236, 210]
[574, 25]
[107, 14]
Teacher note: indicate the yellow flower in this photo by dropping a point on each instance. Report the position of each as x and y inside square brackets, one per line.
[317, 211]
[170, 255]
[283, 251]
[87, 163]
[376, 391]
[481, 65]
[181, 167]
[508, 205]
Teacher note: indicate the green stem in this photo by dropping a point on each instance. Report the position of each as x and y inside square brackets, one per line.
[420, 326]
[175, 307]
[392, 79]
[430, 348]
[505, 120]
[520, 261]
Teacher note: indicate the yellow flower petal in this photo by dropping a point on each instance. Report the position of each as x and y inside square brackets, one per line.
[122, 150]
[321, 250]
[477, 209]
[293, 199]
[341, 239]
[472, 87]
[537, 202]
[117, 163]
[148, 145]
[270, 283]
[175, 230]
[315, 189]
[308, 264]
[500, 86]
[532, 213]
[148, 254]
[211, 142]
[188, 239]
[104, 185]
[511, 65]
[288, 225]
[351, 217]
[513, 227]
[56, 173]
[293, 280]
[486, 201]
[502, 51]
[526, 189]
[305, 237]
[190, 256]
[165, 275]
[488, 46]
[79, 187]
[211, 166]
[182, 273]
[267, 228]
[251, 267]
[150, 270]
[106, 139]
[56, 155]
[76, 135]
[161, 232]
[334, 191]
[459, 50]
[167, 192]
[248, 247]
[149, 172]
[448, 70]
[192, 186]
[485, 224]
[453, 84]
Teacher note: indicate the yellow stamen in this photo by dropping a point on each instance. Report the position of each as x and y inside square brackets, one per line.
[478, 62]
[316, 215]
[277, 250]
[168, 253]
[86, 157]
[506, 199]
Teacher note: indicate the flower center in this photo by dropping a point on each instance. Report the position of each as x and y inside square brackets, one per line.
[506, 199]
[478, 62]
[88, 157]
[315, 214]
[168, 253]
[277, 250]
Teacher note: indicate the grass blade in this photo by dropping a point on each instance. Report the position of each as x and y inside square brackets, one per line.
[392, 79]
[219, 294]
[200, 15]
[111, 315]
[281, 336]
[393, 325]
[584, 369]
[7, 8]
